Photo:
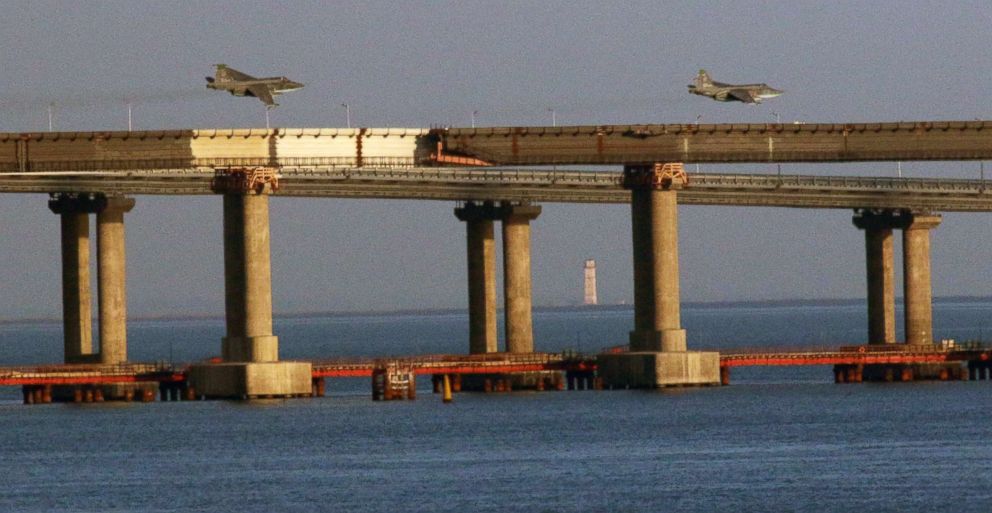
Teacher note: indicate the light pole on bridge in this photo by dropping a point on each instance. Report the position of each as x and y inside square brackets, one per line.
[347, 113]
[698, 117]
[128, 104]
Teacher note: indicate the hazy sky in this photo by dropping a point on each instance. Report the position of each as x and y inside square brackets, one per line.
[418, 64]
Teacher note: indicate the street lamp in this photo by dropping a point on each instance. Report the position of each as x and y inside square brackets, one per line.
[347, 113]
[698, 117]
[981, 174]
[778, 119]
[51, 126]
[128, 103]
[474, 113]
[554, 120]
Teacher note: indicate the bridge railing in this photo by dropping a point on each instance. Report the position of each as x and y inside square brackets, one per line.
[969, 346]
[839, 182]
[123, 369]
[394, 171]
[441, 359]
[614, 178]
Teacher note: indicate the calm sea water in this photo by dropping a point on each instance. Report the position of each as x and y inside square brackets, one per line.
[777, 440]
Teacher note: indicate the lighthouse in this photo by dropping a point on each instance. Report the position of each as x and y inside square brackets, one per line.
[590, 283]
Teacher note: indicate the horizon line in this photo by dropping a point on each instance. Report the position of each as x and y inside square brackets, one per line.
[463, 310]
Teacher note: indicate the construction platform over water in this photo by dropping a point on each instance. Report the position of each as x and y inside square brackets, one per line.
[395, 378]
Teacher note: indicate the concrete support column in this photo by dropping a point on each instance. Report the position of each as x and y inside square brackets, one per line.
[654, 221]
[916, 277]
[879, 257]
[658, 355]
[478, 219]
[111, 272]
[251, 366]
[248, 280]
[517, 276]
[77, 326]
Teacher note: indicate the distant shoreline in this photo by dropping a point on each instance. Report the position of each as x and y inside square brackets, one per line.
[765, 303]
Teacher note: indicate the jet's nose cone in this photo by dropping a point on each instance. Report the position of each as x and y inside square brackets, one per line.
[770, 92]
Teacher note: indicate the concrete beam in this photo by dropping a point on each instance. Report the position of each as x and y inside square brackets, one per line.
[517, 276]
[478, 218]
[721, 143]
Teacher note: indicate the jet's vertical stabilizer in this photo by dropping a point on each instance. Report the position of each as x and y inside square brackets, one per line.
[703, 79]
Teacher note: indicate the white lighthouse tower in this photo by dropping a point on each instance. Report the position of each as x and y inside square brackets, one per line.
[590, 283]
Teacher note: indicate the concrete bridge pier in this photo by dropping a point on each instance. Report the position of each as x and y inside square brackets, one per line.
[517, 275]
[77, 324]
[112, 276]
[916, 276]
[478, 218]
[879, 256]
[658, 353]
[248, 281]
[916, 226]
[251, 366]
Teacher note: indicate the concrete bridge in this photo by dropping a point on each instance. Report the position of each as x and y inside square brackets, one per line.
[96, 172]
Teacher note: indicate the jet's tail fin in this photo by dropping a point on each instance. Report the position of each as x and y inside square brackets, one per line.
[222, 74]
[702, 79]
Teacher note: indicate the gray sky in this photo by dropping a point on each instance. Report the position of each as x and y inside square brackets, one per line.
[423, 63]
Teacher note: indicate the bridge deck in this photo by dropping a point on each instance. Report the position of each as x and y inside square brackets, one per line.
[799, 142]
[505, 146]
[798, 191]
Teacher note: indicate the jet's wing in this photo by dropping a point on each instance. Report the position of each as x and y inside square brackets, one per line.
[226, 73]
[263, 93]
[743, 95]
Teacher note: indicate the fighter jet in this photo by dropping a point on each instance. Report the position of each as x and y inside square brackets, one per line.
[240, 84]
[747, 93]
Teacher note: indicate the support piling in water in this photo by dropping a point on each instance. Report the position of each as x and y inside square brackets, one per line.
[447, 390]
[392, 382]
